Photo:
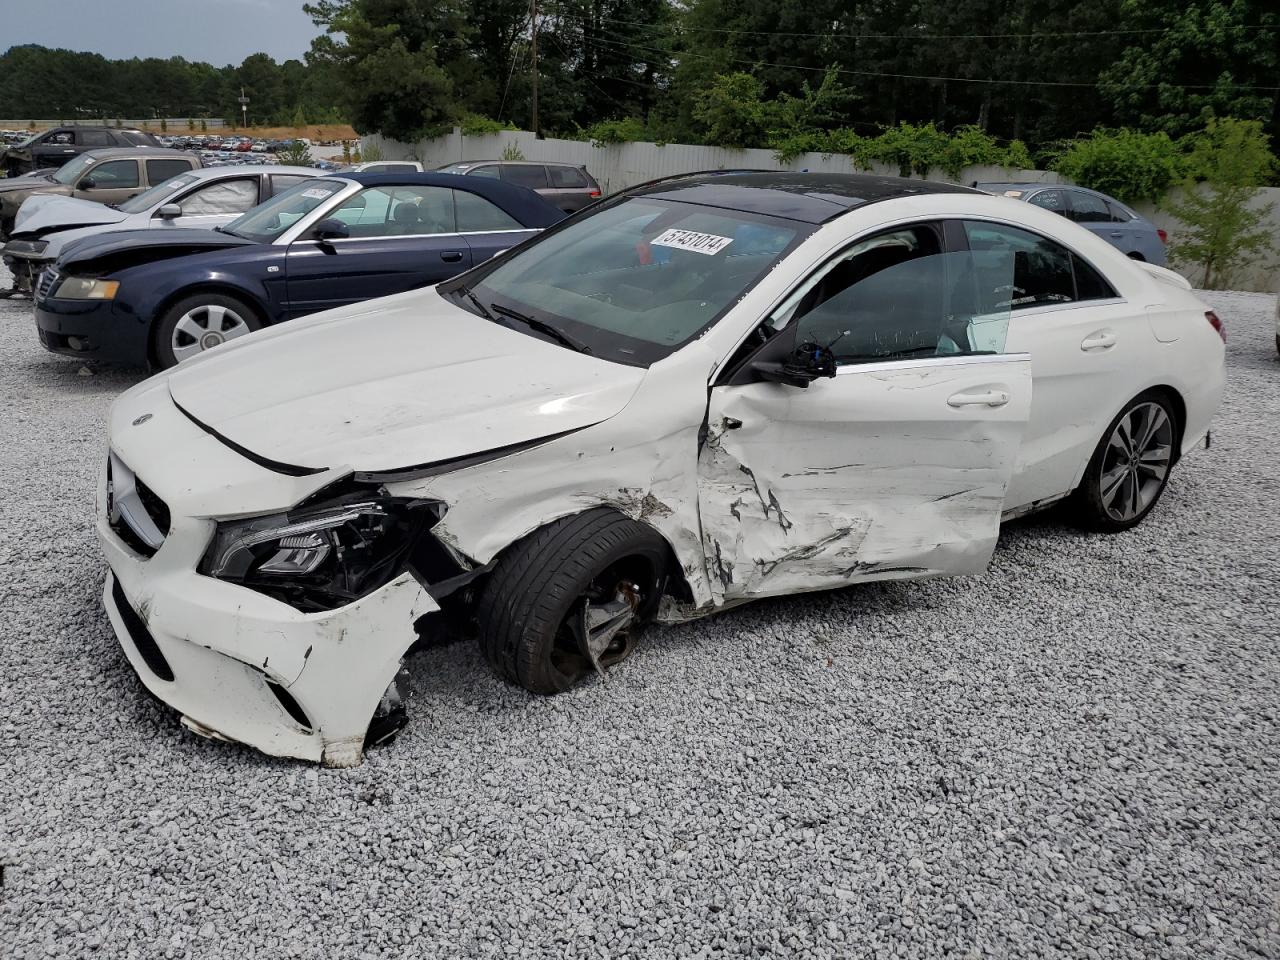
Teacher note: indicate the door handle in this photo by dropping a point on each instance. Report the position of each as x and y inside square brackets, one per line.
[1116, 233]
[992, 398]
[451, 256]
[732, 423]
[1102, 340]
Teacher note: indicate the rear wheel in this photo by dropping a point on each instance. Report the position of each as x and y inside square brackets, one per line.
[1130, 467]
[563, 603]
[201, 322]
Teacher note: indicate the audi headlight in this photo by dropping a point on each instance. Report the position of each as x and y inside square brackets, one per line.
[325, 556]
[86, 288]
[26, 248]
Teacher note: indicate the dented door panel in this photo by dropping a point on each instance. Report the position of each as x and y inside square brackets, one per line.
[885, 471]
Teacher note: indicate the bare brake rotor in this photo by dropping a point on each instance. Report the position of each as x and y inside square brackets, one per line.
[602, 630]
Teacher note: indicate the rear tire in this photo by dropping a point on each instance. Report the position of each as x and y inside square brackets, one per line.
[1130, 467]
[201, 322]
[589, 566]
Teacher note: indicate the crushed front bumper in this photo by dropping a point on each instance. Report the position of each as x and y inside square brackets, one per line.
[235, 663]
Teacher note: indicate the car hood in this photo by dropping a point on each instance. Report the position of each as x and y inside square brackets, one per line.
[30, 181]
[44, 212]
[406, 381]
[140, 246]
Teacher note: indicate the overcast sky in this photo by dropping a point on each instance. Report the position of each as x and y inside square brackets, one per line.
[216, 31]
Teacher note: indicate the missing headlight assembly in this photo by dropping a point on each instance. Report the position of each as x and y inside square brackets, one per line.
[324, 554]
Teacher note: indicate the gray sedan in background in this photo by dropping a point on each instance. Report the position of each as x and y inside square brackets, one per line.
[1119, 225]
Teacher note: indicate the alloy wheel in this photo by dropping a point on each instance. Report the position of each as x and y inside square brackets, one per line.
[1136, 462]
[205, 327]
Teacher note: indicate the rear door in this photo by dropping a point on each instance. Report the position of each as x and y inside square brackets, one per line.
[898, 465]
[489, 230]
[401, 238]
[160, 169]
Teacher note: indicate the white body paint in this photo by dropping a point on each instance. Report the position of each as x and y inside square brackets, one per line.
[888, 470]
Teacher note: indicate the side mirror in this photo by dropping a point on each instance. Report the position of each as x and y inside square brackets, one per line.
[169, 211]
[807, 363]
[331, 228]
[87, 184]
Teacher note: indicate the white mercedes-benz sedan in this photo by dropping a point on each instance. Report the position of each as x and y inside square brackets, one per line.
[703, 391]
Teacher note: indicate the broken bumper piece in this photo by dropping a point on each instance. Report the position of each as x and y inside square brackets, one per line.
[241, 666]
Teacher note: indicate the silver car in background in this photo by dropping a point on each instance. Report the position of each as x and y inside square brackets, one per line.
[1119, 225]
[207, 198]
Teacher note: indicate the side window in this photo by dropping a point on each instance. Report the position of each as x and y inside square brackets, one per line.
[60, 138]
[280, 182]
[1050, 200]
[112, 175]
[96, 138]
[567, 178]
[894, 296]
[491, 171]
[229, 196]
[476, 214]
[398, 211]
[158, 171]
[1118, 213]
[533, 176]
[1018, 269]
[1086, 208]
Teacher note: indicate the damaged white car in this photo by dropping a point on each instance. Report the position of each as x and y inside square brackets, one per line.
[705, 391]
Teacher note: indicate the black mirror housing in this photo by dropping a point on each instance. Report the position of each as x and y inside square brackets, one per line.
[330, 229]
[806, 363]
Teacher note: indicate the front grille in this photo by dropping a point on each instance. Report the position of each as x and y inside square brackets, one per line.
[134, 511]
[139, 634]
[46, 282]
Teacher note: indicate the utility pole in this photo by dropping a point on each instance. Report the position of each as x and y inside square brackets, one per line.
[533, 45]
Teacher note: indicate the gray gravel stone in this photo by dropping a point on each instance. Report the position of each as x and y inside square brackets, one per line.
[1074, 755]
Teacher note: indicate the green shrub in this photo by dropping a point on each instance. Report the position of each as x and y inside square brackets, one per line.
[610, 133]
[512, 151]
[474, 125]
[1128, 165]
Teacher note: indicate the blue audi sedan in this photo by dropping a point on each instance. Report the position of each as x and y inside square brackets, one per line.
[155, 298]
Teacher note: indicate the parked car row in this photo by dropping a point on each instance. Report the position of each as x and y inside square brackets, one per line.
[568, 186]
[53, 148]
[700, 392]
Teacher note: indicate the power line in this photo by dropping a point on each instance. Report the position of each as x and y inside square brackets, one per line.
[653, 51]
[934, 36]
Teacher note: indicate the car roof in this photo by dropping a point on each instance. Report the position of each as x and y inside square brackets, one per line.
[523, 204]
[250, 169]
[518, 163]
[150, 153]
[807, 197]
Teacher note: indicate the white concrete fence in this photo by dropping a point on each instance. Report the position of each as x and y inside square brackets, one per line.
[627, 164]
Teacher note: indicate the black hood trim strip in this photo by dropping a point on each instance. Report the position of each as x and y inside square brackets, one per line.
[402, 474]
[288, 469]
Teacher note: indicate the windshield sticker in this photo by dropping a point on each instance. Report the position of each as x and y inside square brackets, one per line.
[707, 243]
[316, 193]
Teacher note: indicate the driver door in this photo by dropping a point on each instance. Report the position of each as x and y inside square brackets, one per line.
[894, 467]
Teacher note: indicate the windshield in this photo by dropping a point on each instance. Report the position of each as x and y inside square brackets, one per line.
[456, 168]
[640, 278]
[158, 194]
[70, 171]
[268, 220]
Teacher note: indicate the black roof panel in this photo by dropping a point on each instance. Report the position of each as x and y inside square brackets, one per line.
[808, 197]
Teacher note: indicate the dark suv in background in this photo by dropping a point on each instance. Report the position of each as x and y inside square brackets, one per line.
[569, 187]
[55, 147]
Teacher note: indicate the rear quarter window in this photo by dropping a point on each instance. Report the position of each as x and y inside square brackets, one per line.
[567, 178]
[525, 175]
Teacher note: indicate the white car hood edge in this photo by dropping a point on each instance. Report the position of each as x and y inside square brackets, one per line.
[404, 382]
[65, 212]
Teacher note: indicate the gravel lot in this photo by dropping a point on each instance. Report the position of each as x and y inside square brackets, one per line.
[1076, 755]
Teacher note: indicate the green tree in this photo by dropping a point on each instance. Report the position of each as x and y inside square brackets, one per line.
[1129, 165]
[1224, 232]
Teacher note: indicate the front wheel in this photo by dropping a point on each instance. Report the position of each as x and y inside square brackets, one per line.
[201, 322]
[563, 603]
[1130, 467]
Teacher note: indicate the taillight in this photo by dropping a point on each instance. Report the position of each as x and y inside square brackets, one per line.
[1217, 324]
[594, 194]
[1163, 234]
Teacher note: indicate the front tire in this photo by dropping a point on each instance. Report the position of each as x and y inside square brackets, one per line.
[570, 594]
[199, 323]
[1130, 467]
